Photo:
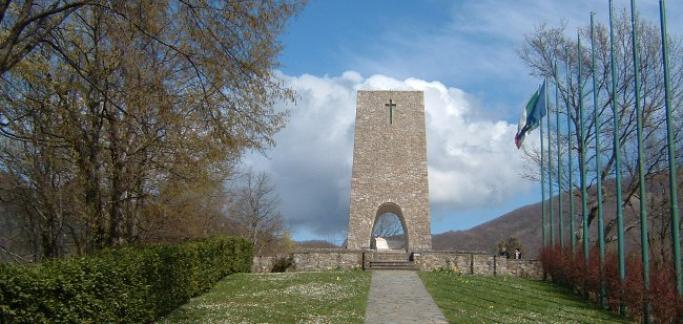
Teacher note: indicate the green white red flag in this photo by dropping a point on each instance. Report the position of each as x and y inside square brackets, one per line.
[531, 115]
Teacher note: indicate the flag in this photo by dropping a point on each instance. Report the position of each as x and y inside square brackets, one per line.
[531, 115]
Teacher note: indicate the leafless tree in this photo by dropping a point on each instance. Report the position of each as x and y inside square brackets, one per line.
[255, 208]
[552, 55]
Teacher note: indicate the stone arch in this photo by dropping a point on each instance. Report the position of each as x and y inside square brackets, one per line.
[393, 208]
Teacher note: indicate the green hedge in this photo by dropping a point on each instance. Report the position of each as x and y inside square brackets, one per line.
[132, 284]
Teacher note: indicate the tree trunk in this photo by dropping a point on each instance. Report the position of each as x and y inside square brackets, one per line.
[116, 221]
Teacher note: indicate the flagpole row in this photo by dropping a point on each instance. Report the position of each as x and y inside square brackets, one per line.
[575, 110]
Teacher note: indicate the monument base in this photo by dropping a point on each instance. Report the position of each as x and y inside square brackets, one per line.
[473, 263]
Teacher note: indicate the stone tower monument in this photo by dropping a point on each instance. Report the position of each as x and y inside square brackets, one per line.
[389, 172]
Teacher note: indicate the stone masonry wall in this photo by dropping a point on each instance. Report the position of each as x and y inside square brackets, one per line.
[483, 264]
[325, 261]
[461, 262]
[478, 264]
[312, 260]
[428, 261]
[264, 263]
[522, 268]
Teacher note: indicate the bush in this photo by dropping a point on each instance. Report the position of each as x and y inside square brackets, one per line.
[130, 284]
[282, 264]
[570, 271]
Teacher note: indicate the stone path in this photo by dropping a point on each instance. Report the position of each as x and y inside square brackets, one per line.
[400, 297]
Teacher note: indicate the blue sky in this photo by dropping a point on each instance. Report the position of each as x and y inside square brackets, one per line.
[330, 37]
[463, 54]
[326, 37]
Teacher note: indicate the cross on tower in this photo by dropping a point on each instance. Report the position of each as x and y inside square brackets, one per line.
[391, 106]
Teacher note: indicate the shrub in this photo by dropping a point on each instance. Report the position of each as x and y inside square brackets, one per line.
[130, 284]
[282, 264]
[570, 271]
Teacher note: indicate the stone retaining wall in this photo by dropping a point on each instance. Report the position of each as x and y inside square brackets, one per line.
[525, 269]
[327, 260]
[264, 263]
[312, 260]
[461, 262]
[478, 264]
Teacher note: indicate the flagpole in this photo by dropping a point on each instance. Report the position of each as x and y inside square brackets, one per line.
[673, 170]
[582, 161]
[542, 186]
[617, 163]
[559, 161]
[570, 189]
[644, 244]
[550, 177]
[598, 168]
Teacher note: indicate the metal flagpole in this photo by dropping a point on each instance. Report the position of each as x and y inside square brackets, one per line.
[617, 162]
[673, 170]
[559, 161]
[582, 162]
[551, 223]
[572, 217]
[598, 168]
[644, 244]
[542, 187]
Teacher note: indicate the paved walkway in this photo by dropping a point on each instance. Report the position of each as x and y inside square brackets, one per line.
[400, 297]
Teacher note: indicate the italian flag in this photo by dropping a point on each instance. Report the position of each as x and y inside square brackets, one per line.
[531, 115]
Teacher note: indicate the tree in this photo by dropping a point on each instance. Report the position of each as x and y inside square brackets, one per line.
[509, 246]
[547, 51]
[26, 23]
[255, 209]
[123, 104]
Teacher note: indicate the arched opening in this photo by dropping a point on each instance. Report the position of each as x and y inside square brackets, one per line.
[389, 231]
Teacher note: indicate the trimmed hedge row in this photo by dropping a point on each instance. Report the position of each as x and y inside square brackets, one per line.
[131, 284]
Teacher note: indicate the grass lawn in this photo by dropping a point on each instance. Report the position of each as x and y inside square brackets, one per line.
[470, 299]
[322, 297]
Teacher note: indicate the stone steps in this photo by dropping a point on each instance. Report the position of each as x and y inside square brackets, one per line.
[392, 265]
[391, 256]
[390, 260]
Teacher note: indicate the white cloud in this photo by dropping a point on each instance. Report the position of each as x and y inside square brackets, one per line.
[472, 162]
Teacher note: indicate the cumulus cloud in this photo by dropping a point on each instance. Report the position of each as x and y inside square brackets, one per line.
[472, 161]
